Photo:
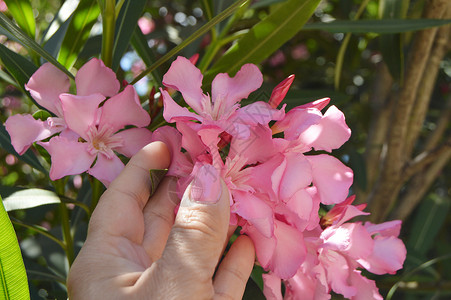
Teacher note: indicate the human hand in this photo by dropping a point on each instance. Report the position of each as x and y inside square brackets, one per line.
[137, 249]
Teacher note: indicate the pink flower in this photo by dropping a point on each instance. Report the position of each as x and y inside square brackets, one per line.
[90, 127]
[99, 129]
[45, 86]
[223, 109]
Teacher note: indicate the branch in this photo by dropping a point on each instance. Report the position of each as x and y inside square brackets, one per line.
[441, 126]
[421, 183]
[427, 85]
[385, 192]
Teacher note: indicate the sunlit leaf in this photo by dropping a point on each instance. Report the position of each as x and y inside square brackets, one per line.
[29, 198]
[29, 43]
[22, 12]
[141, 47]
[13, 278]
[125, 26]
[79, 28]
[266, 36]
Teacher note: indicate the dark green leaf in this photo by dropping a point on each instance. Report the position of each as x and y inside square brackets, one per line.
[141, 47]
[28, 157]
[377, 26]
[391, 44]
[53, 44]
[265, 3]
[265, 37]
[27, 42]
[429, 219]
[81, 22]
[29, 198]
[41, 115]
[125, 26]
[357, 164]
[18, 66]
[23, 14]
[13, 279]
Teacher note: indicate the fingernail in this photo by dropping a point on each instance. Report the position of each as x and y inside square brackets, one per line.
[206, 186]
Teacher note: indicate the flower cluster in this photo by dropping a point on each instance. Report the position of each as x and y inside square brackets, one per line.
[85, 128]
[276, 187]
[266, 157]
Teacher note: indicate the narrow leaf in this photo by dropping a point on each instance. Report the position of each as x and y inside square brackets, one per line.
[23, 14]
[429, 220]
[13, 278]
[391, 44]
[27, 42]
[377, 26]
[141, 47]
[80, 25]
[28, 157]
[266, 36]
[18, 66]
[29, 198]
[125, 26]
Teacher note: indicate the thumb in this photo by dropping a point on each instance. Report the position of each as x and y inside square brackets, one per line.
[196, 241]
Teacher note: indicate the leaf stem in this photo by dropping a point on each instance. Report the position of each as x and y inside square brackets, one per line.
[108, 22]
[65, 224]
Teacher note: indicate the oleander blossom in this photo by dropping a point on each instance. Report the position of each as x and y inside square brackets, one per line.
[277, 182]
[90, 124]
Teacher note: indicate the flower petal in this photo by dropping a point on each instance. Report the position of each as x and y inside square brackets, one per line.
[390, 228]
[25, 130]
[180, 165]
[69, 157]
[388, 256]
[255, 211]
[133, 140]
[123, 109]
[81, 112]
[366, 289]
[94, 77]
[272, 287]
[173, 112]
[184, 77]
[338, 272]
[332, 178]
[231, 90]
[258, 113]
[45, 86]
[297, 175]
[330, 133]
[105, 169]
[297, 121]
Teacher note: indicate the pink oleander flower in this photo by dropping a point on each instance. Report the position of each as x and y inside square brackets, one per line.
[277, 184]
[222, 109]
[100, 132]
[90, 123]
[45, 86]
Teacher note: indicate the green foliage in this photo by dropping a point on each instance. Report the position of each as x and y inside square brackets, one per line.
[265, 37]
[13, 279]
[77, 33]
[23, 14]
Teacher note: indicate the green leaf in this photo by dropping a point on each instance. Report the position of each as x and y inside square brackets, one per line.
[23, 14]
[125, 26]
[18, 66]
[29, 198]
[27, 42]
[28, 157]
[42, 115]
[13, 278]
[139, 43]
[156, 176]
[265, 37]
[430, 217]
[377, 26]
[391, 44]
[81, 22]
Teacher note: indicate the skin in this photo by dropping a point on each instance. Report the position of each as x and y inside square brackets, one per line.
[137, 249]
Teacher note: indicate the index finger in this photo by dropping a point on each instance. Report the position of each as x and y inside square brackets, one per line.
[120, 209]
